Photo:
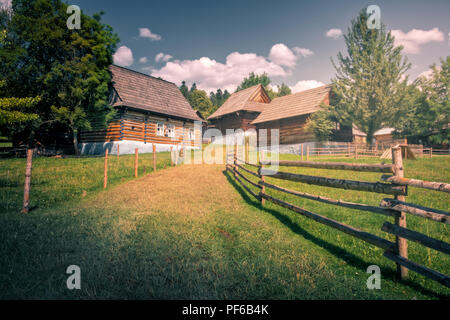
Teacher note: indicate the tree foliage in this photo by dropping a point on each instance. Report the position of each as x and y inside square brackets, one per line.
[67, 68]
[429, 118]
[370, 88]
[199, 101]
[254, 79]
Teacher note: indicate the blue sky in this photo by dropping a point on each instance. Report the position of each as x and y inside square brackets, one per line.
[216, 43]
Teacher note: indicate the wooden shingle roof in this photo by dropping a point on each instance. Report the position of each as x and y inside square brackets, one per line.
[304, 102]
[242, 100]
[141, 91]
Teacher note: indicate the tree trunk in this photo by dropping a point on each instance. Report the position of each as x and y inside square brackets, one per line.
[75, 141]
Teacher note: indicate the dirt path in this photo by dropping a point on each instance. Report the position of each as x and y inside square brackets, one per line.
[187, 189]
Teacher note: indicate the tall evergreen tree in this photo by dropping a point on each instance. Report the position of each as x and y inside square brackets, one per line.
[370, 88]
[184, 89]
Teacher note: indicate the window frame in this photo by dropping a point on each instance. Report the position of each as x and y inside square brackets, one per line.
[160, 133]
[171, 130]
[191, 134]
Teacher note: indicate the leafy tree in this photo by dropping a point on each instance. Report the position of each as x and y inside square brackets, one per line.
[199, 101]
[16, 112]
[429, 119]
[370, 88]
[67, 68]
[283, 90]
[193, 87]
[321, 124]
[253, 80]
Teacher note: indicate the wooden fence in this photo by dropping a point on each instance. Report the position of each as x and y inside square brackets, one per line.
[394, 184]
[363, 151]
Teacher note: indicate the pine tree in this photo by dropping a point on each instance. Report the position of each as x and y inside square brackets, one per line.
[184, 89]
[370, 88]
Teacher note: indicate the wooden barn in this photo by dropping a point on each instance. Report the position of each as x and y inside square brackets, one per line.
[252, 109]
[290, 113]
[240, 109]
[149, 111]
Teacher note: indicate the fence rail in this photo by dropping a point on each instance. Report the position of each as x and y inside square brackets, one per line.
[363, 150]
[394, 208]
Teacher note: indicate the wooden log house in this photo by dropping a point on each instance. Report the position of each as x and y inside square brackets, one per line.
[149, 111]
[252, 109]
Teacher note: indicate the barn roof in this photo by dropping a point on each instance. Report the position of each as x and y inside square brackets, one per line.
[304, 102]
[141, 91]
[241, 100]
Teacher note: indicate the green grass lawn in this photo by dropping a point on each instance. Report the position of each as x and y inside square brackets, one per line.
[192, 232]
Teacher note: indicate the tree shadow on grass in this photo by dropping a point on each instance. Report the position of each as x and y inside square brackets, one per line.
[337, 251]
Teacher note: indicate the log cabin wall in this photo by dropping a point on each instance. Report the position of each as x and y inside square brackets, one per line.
[140, 127]
[292, 130]
[238, 120]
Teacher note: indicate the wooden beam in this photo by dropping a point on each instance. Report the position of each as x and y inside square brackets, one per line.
[414, 209]
[377, 187]
[370, 238]
[437, 186]
[429, 273]
[338, 166]
[341, 203]
[416, 237]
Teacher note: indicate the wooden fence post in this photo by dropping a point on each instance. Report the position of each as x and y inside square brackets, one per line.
[307, 153]
[27, 186]
[348, 149]
[431, 152]
[136, 160]
[118, 151]
[356, 151]
[154, 158]
[302, 150]
[171, 153]
[400, 219]
[105, 171]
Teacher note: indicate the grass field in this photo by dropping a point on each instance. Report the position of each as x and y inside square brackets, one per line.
[191, 232]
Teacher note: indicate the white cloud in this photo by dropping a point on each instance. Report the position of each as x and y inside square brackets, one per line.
[282, 55]
[123, 57]
[305, 85]
[146, 33]
[163, 57]
[412, 40]
[334, 33]
[5, 3]
[303, 52]
[209, 74]
[143, 60]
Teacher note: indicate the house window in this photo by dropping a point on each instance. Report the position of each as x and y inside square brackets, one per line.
[160, 129]
[171, 131]
[191, 134]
